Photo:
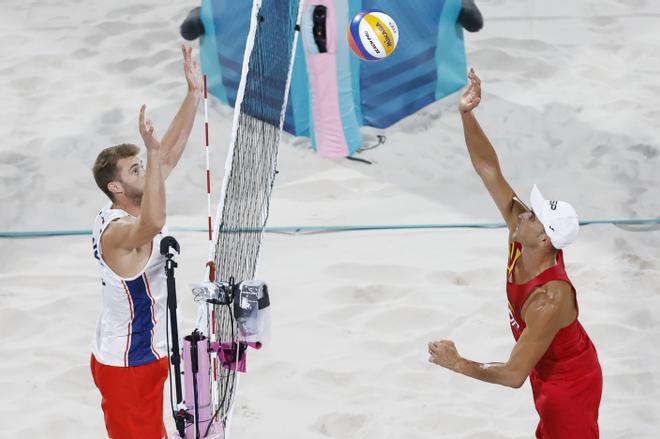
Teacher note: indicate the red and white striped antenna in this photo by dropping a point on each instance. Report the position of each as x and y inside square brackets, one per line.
[210, 264]
[210, 311]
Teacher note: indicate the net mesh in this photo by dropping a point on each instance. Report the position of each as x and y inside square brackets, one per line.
[250, 170]
[254, 152]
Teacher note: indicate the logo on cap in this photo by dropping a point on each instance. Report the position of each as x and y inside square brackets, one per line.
[559, 219]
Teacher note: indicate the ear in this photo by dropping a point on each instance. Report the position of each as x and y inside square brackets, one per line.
[115, 187]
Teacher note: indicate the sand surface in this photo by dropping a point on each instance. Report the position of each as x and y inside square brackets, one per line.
[570, 103]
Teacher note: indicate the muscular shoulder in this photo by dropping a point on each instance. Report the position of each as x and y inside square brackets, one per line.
[551, 304]
[113, 231]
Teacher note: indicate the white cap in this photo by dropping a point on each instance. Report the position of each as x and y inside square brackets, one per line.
[559, 219]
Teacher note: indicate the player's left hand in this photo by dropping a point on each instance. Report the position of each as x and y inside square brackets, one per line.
[472, 95]
[191, 70]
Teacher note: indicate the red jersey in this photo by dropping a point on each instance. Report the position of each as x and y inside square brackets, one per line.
[567, 381]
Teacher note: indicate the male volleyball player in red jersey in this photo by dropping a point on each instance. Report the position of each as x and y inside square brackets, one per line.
[129, 351]
[552, 347]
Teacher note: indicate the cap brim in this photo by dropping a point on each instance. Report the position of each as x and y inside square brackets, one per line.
[537, 201]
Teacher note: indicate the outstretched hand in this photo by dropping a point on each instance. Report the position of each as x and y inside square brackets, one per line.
[191, 70]
[472, 95]
[147, 132]
[443, 353]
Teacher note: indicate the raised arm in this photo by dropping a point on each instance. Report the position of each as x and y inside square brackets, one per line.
[551, 308]
[483, 155]
[128, 233]
[175, 138]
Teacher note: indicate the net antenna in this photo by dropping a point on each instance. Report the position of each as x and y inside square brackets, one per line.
[245, 196]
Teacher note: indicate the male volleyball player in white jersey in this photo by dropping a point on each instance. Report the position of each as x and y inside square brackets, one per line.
[129, 354]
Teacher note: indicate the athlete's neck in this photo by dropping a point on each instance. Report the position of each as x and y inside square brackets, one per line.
[535, 260]
[131, 208]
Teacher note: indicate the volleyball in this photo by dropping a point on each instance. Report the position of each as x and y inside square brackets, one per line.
[372, 35]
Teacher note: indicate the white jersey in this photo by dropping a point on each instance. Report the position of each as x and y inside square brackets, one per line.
[131, 329]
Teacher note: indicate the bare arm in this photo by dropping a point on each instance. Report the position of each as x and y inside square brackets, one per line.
[176, 137]
[548, 311]
[130, 234]
[483, 155]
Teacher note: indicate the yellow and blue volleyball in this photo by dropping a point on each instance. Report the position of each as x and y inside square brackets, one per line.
[372, 35]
